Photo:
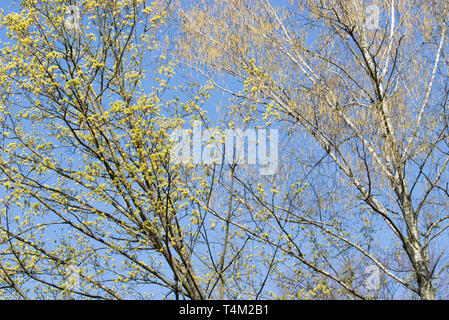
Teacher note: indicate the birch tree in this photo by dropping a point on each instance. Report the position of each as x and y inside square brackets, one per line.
[360, 90]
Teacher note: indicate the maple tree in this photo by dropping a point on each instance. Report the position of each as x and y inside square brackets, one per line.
[85, 171]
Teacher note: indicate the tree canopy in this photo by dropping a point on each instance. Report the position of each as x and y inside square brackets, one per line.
[336, 186]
